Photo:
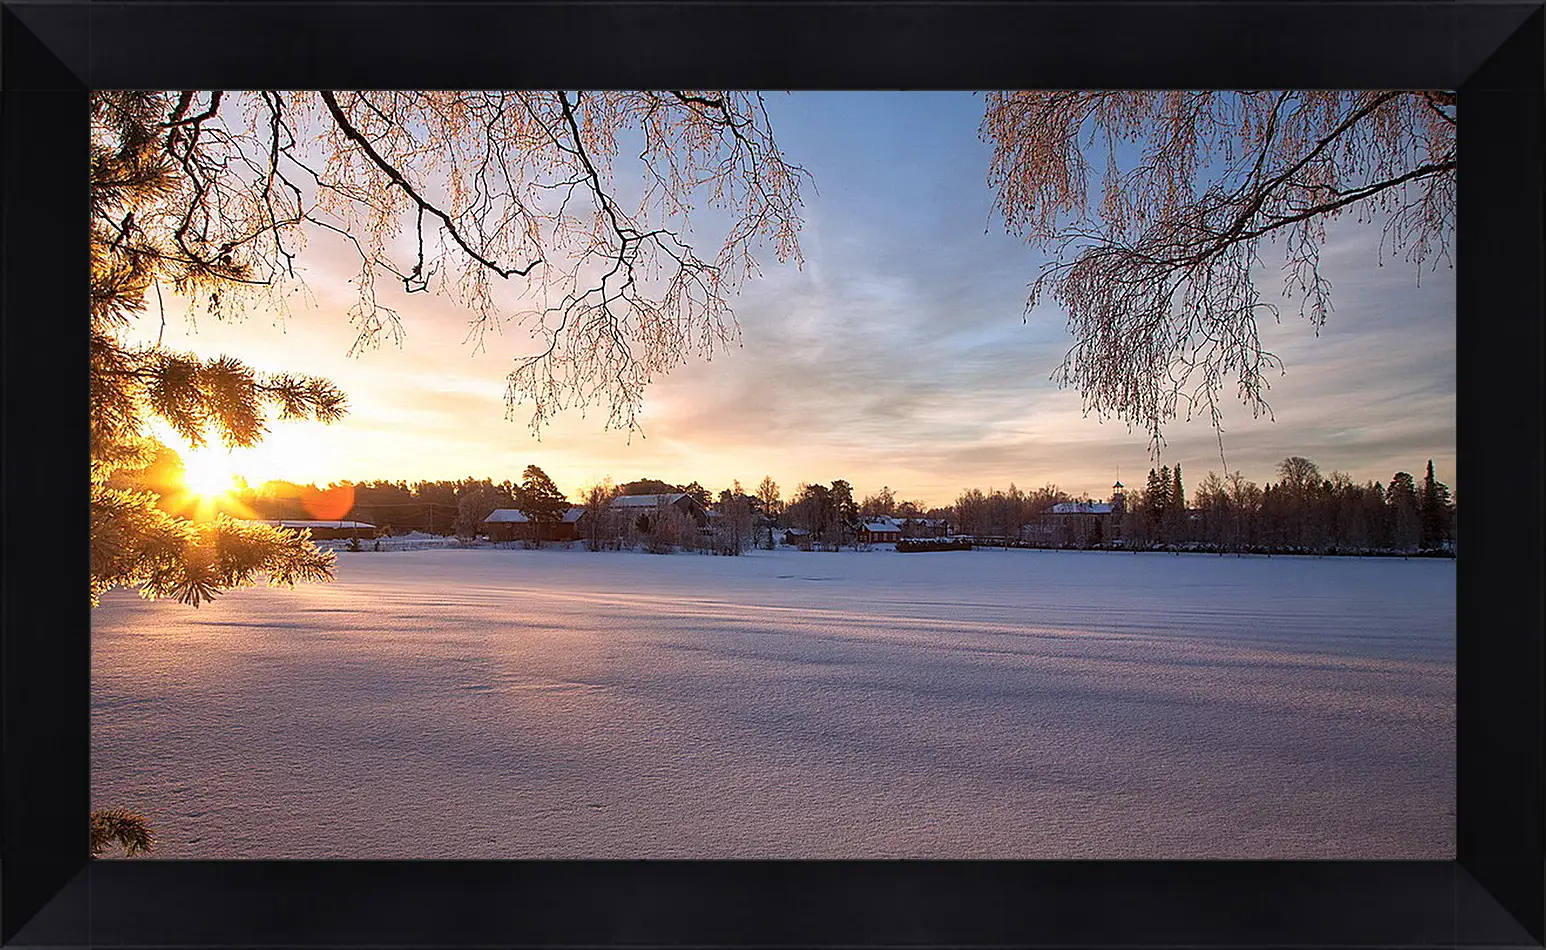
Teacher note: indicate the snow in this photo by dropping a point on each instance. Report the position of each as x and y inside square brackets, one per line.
[503, 703]
[1082, 508]
[501, 515]
[413, 541]
[647, 501]
[517, 516]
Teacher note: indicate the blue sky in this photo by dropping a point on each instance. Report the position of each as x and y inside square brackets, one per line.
[897, 355]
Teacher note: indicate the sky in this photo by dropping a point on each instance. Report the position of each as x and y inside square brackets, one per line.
[900, 354]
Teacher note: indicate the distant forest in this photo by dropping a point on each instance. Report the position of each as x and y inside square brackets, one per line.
[1304, 511]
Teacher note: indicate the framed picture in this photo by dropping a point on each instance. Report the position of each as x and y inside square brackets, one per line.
[878, 513]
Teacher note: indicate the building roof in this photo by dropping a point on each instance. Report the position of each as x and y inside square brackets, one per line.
[517, 516]
[647, 501]
[885, 524]
[288, 523]
[1082, 508]
[502, 515]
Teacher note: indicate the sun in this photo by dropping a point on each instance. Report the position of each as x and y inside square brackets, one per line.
[208, 472]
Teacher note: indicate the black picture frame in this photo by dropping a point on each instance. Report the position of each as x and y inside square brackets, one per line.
[52, 895]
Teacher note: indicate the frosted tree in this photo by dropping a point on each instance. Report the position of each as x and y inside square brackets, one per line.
[733, 528]
[971, 512]
[1212, 499]
[476, 500]
[768, 500]
[768, 496]
[815, 509]
[1156, 268]
[670, 528]
[883, 502]
[601, 527]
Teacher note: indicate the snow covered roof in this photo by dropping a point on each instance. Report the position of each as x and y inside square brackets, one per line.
[646, 501]
[287, 523]
[1082, 508]
[499, 515]
[885, 524]
[517, 516]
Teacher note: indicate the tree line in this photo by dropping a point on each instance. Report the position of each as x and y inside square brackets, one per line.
[1304, 511]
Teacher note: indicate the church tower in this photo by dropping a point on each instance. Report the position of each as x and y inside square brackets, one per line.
[1119, 508]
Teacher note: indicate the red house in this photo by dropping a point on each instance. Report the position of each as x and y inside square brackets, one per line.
[879, 530]
[512, 524]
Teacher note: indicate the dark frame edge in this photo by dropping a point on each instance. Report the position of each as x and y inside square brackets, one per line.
[1500, 691]
[46, 718]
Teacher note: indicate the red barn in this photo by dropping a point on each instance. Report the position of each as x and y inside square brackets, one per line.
[512, 524]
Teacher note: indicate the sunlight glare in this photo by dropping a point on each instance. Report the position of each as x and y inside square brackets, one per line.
[207, 472]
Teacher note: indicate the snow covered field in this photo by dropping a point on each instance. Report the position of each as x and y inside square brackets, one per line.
[1000, 704]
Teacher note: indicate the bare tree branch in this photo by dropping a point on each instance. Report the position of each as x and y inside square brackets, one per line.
[1159, 279]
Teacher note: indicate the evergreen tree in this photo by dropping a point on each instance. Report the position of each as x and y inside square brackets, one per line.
[648, 486]
[541, 500]
[698, 493]
[1156, 488]
[1402, 499]
[1434, 510]
[134, 542]
[1176, 502]
[845, 509]
[128, 830]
